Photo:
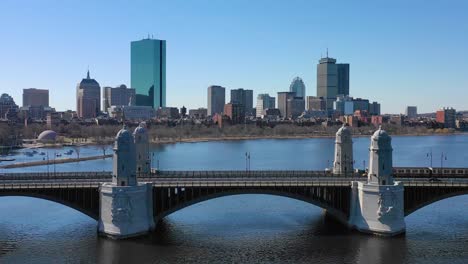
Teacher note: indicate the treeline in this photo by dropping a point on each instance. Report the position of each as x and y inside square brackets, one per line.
[103, 134]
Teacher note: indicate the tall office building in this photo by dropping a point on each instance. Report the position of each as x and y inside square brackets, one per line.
[315, 103]
[148, 72]
[332, 80]
[264, 101]
[8, 108]
[283, 102]
[447, 117]
[35, 97]
[298, 87]
[243, 97]
[117, 96]
[88, 98]
[294, 107]
[411, 112]
[216, 99]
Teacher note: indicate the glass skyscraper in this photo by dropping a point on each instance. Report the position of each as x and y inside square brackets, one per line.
[148, 72]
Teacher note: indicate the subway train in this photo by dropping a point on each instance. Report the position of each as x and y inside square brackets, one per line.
[428, 172]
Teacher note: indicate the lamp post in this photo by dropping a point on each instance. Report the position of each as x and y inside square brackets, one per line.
[442, 158]
[430, 155]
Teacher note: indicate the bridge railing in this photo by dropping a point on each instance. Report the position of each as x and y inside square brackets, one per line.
[248, 174]
[56, 175]
[49, 185]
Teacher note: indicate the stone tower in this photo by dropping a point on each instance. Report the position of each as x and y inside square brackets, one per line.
[126, 205]
[124, 167]
[378, 205]
[343, 164]
[140, 136]
[380, 159]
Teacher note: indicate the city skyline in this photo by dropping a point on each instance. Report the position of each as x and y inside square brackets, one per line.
[396, 61]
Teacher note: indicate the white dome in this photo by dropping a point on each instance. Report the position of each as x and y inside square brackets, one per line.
[47, 135]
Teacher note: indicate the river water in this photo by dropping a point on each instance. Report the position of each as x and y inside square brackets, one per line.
[242, 228]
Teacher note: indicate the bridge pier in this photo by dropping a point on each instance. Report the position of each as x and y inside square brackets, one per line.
[126, 206]
[377, 209]
[125, 211]
[377, 206]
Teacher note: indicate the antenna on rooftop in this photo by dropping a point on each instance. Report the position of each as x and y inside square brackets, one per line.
[327, 52]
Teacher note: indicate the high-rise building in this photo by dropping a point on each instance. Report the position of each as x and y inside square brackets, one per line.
[117, 96]
[298, 87]
[315, 103]
[8, 107]
[294, 107]
[332, 80]
[361, 104]
[264, 101]
[344, 105]
[36, 97]
[216, 99]
[88, 98]
[235, 111]
[283, 102]
[374, 108]
[243, 97]
[446, 116]
[411, 112]
[148, 72]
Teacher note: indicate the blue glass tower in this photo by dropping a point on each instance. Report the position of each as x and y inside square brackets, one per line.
[148, 72]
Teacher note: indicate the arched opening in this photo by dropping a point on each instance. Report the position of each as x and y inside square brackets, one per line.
[444, 216]
[51, 204]
[244, 199]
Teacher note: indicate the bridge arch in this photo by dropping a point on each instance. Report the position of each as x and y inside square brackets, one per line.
[434, 199]
[334, 211]
[84, 200]
[74, 206]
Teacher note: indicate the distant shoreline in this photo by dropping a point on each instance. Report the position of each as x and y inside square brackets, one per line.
[238, 138]
[234, 138]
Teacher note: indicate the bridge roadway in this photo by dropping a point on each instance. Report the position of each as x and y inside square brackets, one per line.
[174, 190]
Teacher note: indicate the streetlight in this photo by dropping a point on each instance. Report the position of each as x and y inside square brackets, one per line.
[442, 158]
[430, 155]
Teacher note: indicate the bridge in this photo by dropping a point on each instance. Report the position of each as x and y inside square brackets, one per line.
[174, 190]
[131, 199]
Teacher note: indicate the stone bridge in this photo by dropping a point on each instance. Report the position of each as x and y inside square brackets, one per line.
[175, 190]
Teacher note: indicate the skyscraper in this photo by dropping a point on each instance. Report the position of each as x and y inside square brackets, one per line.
[148, 72]
[35, 97]
[332, 80]
[88, 98]
[216, 99]
[243, 97]
[117, 96]
[264, 101]
[283, 102]
[298, 87]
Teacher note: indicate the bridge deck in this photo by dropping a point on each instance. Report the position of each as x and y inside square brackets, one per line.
[223, 182]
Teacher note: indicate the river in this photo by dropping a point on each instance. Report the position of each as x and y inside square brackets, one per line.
[243, 228]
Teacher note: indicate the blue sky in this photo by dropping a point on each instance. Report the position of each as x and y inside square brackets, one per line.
[401, 52]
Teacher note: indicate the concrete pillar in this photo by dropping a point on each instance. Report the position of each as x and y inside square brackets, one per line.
[377, 205]
[343, 163]
[126, 206]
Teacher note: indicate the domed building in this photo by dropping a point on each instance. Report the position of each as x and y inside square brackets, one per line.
[298, 87]
[47, 136]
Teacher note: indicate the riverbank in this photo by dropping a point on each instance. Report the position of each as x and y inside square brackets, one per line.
[305, 136]
[52, 161]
